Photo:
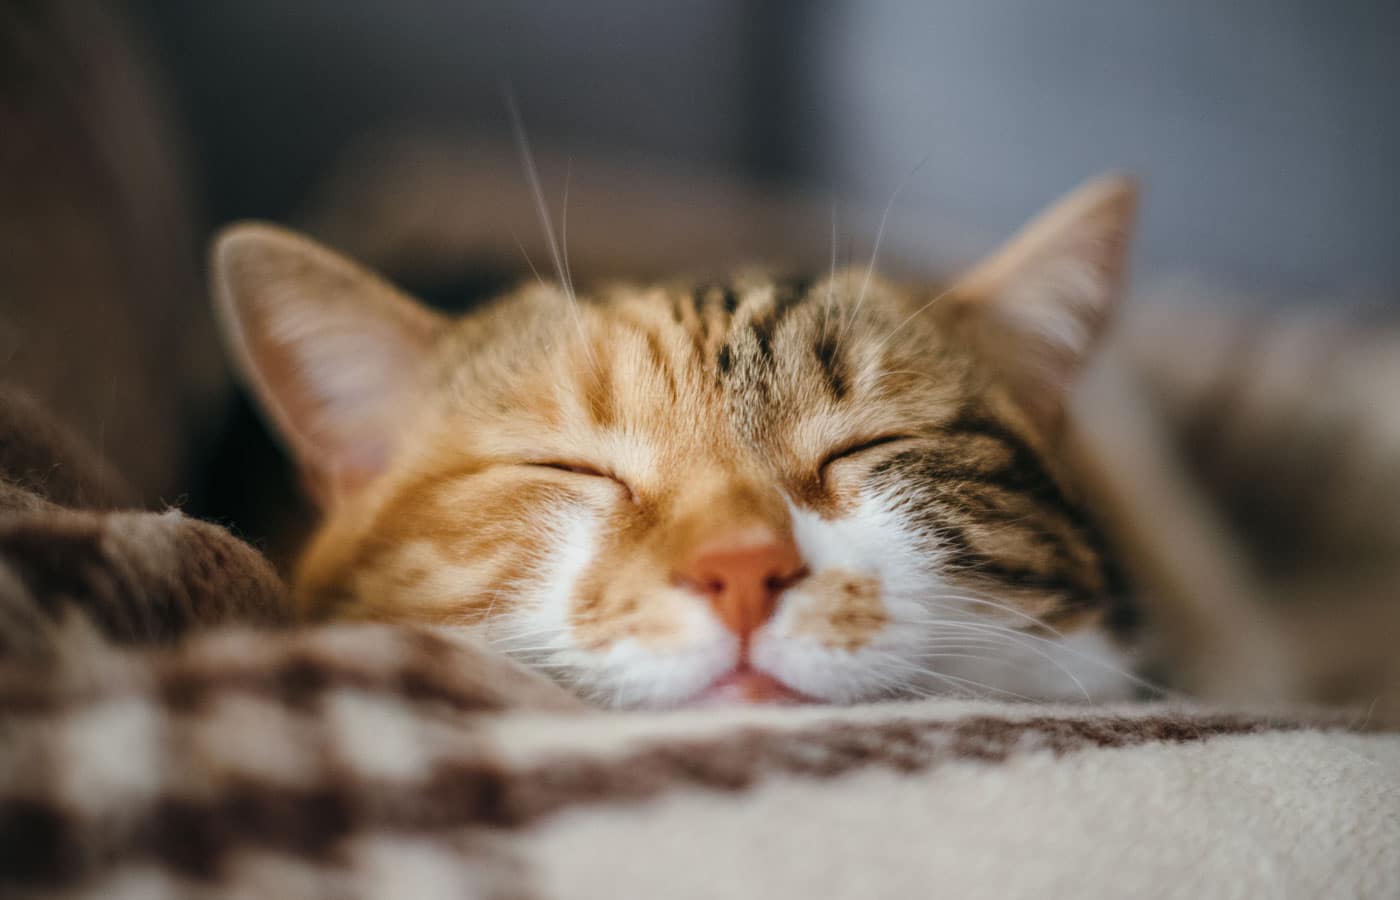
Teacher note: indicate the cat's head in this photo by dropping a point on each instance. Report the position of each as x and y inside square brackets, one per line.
[836, 489]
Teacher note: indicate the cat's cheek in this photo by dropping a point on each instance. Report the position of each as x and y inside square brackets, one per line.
[856, 630]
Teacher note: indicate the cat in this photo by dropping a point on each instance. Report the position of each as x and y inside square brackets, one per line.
[757, 489]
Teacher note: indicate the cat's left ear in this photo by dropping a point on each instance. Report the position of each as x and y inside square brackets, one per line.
[1034, 311]
[334, 354]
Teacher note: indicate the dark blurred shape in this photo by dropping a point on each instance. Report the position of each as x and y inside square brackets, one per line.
[101, 311]
[275, 91]
[1252, 488]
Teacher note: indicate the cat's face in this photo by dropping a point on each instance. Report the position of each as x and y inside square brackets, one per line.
[756, 489]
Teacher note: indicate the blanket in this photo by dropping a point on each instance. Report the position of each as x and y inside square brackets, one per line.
[376, 761]
[77, 567]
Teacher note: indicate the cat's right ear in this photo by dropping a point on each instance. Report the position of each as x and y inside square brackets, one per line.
[1035, 310]
[334, 353]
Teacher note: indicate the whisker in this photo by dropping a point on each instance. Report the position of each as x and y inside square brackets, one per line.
[972, 683]
[1019, 613]
[1016, 638]
[978, 657]
[526, 651]
[528, 261]
[964, 644]
[911, 317]
[532, 175]
[831, 281]
[564, 228]
[879, 237]
[1020, 635]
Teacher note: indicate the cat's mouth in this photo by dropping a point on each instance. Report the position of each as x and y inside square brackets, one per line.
[748, 686]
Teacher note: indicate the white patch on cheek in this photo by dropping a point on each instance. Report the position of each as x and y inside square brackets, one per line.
[535, 622]
[572, 554]
[540, 630]
[871, 542]
[936, 638]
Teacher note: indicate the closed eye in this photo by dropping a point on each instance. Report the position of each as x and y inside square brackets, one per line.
[578, 468]
[853, 449]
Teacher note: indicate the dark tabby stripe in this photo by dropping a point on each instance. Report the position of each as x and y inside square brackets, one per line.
[976, 474]
[1073, 598]
[708, 294]
[787, 296]
[832, 368]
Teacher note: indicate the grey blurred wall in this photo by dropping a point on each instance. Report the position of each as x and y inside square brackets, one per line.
[1266, 130]
[275, 89]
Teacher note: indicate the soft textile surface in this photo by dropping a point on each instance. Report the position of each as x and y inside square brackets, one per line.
[375, 761]
[72, 564]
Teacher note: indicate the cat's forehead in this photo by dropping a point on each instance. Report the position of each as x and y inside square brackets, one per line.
[748, 360]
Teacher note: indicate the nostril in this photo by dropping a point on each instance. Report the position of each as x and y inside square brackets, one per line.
[777, 583]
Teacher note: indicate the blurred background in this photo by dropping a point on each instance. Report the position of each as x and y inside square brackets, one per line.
[688, 136]
[1264, 130]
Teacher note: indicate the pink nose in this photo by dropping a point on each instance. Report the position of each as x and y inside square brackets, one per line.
[742, 578]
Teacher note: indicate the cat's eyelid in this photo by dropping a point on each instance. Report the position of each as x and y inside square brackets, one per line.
[580, 468]
[860, 446]
[565, 466]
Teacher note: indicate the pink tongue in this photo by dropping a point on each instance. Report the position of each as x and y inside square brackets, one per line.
[747, 686]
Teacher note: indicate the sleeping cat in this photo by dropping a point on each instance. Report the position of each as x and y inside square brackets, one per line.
[749, 490]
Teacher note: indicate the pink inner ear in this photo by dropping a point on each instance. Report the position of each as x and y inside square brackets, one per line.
[356, 466]
[1039, 306]
[331, 349]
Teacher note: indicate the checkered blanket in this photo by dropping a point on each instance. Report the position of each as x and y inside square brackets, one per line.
[373, 761]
